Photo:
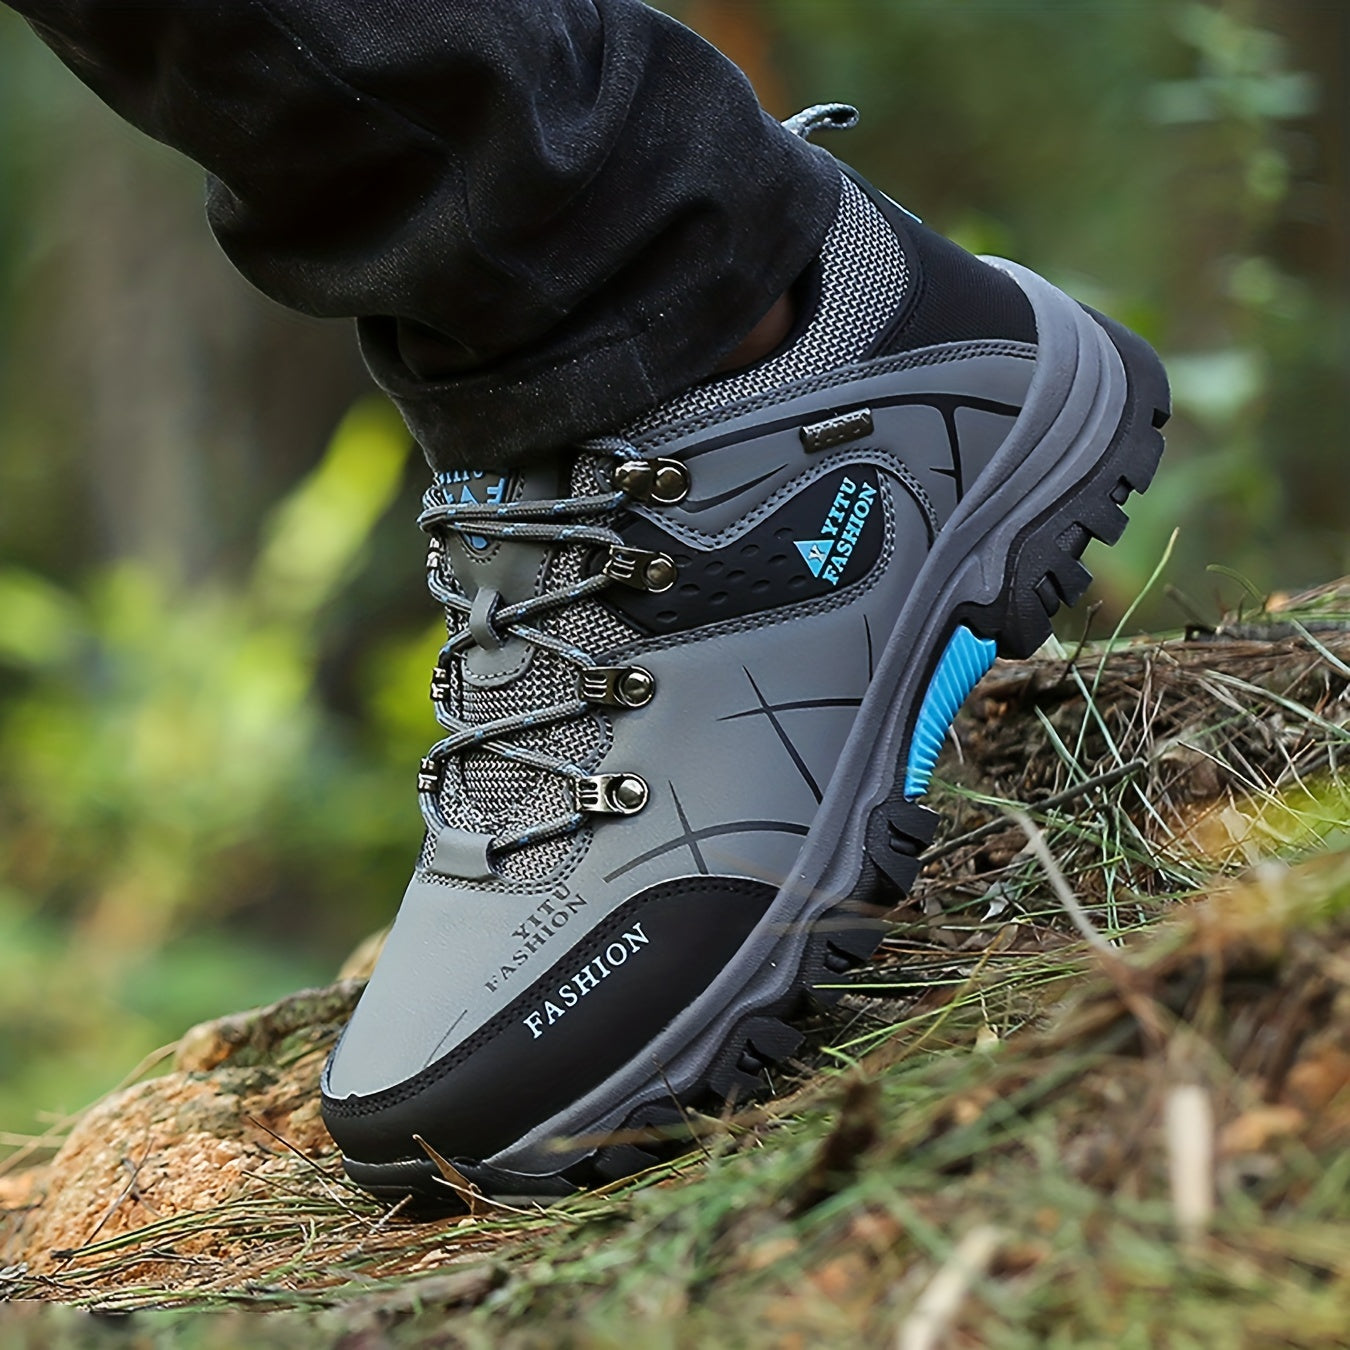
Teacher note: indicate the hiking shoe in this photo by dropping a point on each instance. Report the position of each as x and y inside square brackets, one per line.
[695, 686]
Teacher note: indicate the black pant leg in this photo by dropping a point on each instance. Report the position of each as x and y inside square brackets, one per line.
[546, 216]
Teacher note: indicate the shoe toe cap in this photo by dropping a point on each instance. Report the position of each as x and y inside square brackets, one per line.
[569, 1034]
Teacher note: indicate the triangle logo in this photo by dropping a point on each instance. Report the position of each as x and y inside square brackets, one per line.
[815, 552]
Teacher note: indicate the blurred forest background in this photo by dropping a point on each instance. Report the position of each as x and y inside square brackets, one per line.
[214, 637]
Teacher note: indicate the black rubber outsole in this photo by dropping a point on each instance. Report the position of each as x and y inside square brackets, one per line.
[1044, 573]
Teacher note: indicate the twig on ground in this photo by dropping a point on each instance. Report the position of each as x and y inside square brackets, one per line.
[941, 1300]
[1189, 1124]
[1063, 891]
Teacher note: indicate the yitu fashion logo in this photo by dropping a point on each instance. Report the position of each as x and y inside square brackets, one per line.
[840, 531]
[473, 485]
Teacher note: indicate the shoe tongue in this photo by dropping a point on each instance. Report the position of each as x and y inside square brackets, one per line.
[484, 791]
[510, 568]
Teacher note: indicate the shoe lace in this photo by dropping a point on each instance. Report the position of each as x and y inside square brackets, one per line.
[559, 522]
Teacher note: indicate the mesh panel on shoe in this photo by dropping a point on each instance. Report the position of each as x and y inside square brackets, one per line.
[486, 792]
[863, 278]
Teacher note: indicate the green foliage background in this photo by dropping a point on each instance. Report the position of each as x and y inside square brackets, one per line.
[213, 639]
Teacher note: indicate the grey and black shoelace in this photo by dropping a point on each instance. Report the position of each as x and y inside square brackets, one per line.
[557, 521]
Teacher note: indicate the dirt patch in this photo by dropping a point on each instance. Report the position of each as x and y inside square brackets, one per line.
[237, 1118]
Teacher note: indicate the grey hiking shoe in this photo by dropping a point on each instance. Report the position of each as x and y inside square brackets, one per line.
[696, 683]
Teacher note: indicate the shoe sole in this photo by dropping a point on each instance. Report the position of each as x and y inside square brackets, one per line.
[1003, 565]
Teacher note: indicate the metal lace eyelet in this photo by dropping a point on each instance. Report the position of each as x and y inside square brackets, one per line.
[429, 775]
[663, 482]
[611, 794]
[616, 686]
[640, 568]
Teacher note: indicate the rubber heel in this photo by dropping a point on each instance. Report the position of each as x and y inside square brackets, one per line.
[1045, 569]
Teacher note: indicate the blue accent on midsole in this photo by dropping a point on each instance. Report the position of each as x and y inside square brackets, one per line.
[963, 665]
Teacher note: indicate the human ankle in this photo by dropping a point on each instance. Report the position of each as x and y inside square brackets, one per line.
[765, 337]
